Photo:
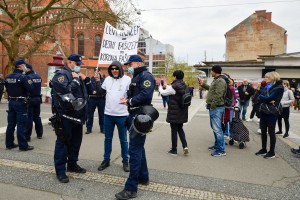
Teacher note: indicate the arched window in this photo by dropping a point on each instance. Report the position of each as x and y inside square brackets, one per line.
[97, 45]
[81, 44]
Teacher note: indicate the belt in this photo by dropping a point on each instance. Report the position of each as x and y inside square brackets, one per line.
[95, 96]
[220, 105]
[17, 97]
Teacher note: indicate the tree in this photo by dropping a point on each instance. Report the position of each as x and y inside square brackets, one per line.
[25, 25]
[190, 77]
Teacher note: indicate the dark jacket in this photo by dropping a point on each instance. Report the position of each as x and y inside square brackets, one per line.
[243, 96]
[177, 114]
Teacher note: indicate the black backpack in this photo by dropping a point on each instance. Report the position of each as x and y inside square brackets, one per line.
[228, 98]
[186, 98]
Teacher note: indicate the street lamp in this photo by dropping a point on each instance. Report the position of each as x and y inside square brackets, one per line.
[150, 54]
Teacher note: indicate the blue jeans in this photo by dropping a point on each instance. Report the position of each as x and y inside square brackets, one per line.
[93, 104]
[16, 115]
[243, 107]
[109, 126]
[165, 100]
[216, 125]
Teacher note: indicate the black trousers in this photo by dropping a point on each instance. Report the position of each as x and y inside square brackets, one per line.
[268, 124]
[285, 115]
[255, 111]
[177, 128]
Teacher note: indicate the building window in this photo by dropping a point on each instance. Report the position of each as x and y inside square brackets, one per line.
[97, 45]
[81, 44]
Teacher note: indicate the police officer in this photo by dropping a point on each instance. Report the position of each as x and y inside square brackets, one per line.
[97, 100]
[18, 87]
[70, 90]
[34, 108]
[140, 93]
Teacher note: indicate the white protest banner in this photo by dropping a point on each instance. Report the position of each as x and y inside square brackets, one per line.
[118, 44]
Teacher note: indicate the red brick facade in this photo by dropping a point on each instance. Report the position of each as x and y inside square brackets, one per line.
[256, 35]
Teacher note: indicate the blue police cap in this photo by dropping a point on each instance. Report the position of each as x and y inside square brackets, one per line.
[19, 62]
[134, 58]
[76, 58]
[29, 66]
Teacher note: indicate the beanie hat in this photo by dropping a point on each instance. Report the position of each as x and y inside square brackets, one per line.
[217, 69]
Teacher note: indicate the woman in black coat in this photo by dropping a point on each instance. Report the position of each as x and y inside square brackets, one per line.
[271, 95]
[177, 114]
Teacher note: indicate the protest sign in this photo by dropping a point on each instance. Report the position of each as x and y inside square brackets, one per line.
[118, 44]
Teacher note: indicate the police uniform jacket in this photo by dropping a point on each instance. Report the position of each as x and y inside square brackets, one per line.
[35, 96]
[141, 89]
[100, 93]
[64, 83]
[18, 85]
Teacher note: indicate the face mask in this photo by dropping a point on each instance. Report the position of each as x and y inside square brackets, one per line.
[24, 70]
[130, 70]
[76, 69]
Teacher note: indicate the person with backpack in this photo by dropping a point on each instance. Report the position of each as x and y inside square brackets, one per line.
[177, 110]
[215, 104]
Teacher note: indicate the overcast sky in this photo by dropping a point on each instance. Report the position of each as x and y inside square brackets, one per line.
[197, 30]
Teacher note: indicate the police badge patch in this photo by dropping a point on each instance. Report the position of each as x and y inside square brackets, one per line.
[61, 79]
[147, 83]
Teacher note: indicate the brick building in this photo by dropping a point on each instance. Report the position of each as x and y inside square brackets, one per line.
[256, 35]
[78, 35]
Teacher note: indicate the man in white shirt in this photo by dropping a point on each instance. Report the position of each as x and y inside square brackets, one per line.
[116, 86]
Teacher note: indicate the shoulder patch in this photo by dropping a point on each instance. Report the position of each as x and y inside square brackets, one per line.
[29, 82]
[147, 83]
[61, 79]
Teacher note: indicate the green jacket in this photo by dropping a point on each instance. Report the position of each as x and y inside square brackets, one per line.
[216, 92]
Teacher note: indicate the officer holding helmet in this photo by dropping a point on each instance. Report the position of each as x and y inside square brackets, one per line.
[34, 108]
[140, 94]
[70, 89]
[18, 87]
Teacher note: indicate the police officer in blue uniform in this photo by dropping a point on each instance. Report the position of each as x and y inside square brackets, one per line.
[34, 108]
[140, 94]
[18, 86]
[97, 100]
[70, 89]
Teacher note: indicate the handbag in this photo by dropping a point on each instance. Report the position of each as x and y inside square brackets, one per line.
[270, 109]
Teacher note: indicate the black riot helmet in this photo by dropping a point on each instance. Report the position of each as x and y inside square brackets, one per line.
[149, 110]
[142, 124]
[69, 102]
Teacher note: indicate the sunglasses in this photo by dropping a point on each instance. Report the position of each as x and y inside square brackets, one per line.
[114, 69]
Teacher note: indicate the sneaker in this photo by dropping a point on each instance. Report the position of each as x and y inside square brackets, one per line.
[172, 152]
[295, 151]
[278, 132]
[261, 152]
[185, 151]
[104, 165]
[269, 155]
[125, 194]
[125, 167]
[249, 120]
[259, 131]
[212, 148]
[218, 153]
[76, 169]
[285, 135]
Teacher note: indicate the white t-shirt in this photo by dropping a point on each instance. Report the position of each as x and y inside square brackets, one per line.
[116, 89]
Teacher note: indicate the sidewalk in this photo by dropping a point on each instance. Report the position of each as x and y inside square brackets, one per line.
[238, 175]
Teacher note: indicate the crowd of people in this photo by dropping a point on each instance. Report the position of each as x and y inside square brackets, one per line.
[124, 102]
